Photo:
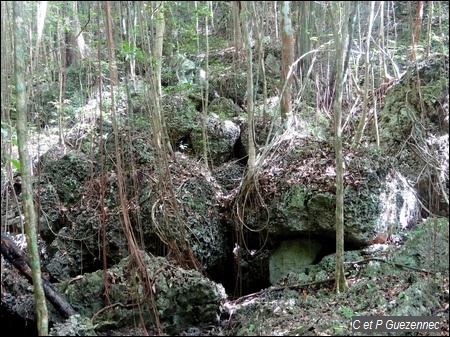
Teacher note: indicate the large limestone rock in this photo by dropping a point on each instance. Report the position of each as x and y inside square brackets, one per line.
[298, 184]
[413, 125]
[182, 297]
[180, 117]
[382, 185]
[225, 107]
[222, 135]
[67, 172]
[183, 70]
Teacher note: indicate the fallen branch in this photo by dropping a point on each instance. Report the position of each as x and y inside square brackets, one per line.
[18, 259]
[392, 263]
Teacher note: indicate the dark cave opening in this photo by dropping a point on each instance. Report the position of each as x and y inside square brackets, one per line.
[239, 152]
[14, 323]
[252, 275]
[183, 144]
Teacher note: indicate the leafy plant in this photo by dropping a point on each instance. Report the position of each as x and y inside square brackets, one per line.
[348, 313]
[15, 162]
[129, 52]
[8, 137]
[403, 295]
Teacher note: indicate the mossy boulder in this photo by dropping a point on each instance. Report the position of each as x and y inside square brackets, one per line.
[222, 135]
[427, 246]
[67, 172]
[181, 297]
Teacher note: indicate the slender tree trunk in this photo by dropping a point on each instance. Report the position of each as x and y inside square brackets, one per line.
[62, 63]
[250, 109]
[204, 91]
[62, 90]
[339, 14]
[236, 8]
[102, 164]
[171, 28]
[275, 21]
[429, 31]
[375, 114]
[41, 13]
[25, 169]
[109, 39]
[416, 29]
[158, 48]
[262, 69]
[383, 44]
[441, 30]
[305, 21]
[287, 58]
[161, 132]
[367, 81]
[205, 100]
[6, 93]
[82, 48]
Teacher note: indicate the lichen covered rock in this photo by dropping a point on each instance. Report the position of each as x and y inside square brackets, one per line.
[182, 297]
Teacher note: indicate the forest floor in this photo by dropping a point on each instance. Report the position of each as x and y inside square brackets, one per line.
[317, 311]
[314, 309]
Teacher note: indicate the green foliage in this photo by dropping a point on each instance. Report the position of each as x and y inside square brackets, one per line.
[403, 295]
[129, 52]
[348, 313]
[216, 42]
[141, 122]
[439, 41]
[434, 91]
[15, 162]
[10, 137]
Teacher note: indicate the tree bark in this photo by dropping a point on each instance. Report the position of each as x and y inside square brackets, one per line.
[236, 9]
[109, 38]
[340, 35]
[416, 29]
[287, 58]
[250, 109]
[367, 81]
[25, 168]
